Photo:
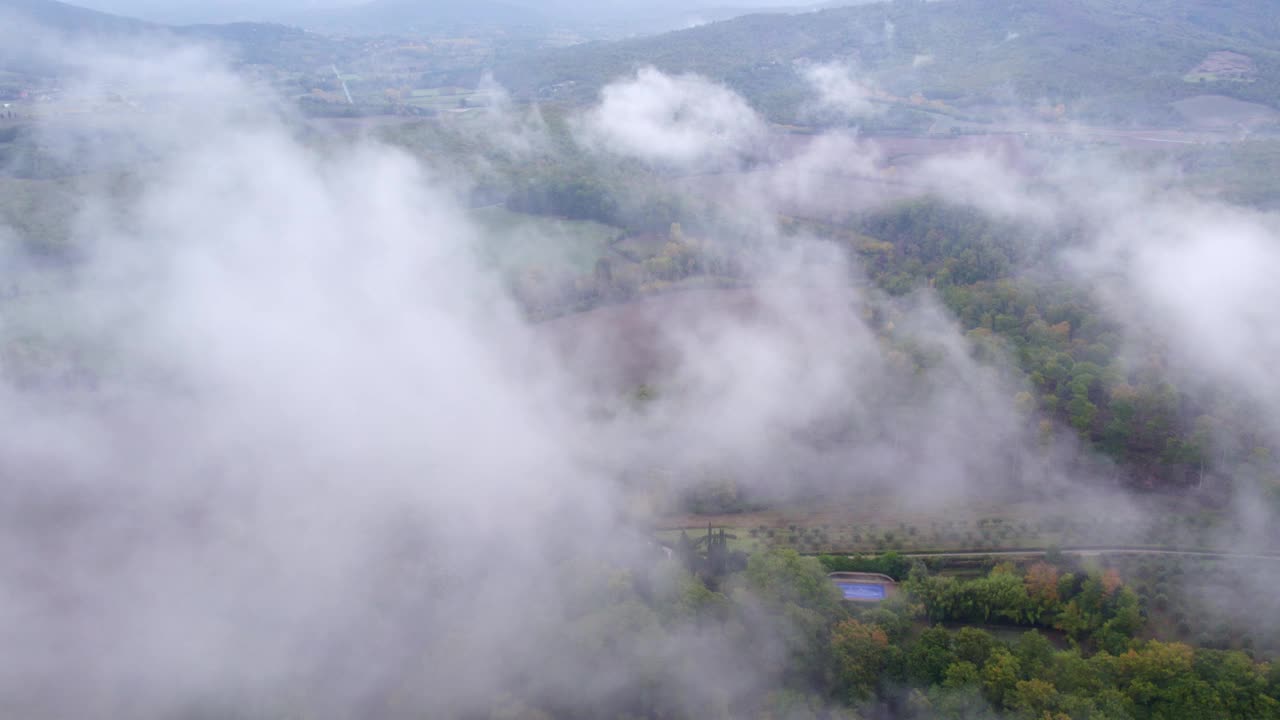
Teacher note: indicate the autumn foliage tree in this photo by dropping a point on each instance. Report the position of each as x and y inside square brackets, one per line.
[859, 652]
[1042, 589]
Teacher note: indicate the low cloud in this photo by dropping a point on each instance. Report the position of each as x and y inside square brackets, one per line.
[327, 466]
[676, 121]
[841, 94]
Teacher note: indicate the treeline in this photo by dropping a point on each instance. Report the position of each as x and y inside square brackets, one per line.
[1094, 609]
[890, 563]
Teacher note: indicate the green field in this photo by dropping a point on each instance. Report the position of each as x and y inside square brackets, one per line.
[441, 92]
[517, 242]
[447, 98]
[740, 540]
[868, 530]
[39, 212]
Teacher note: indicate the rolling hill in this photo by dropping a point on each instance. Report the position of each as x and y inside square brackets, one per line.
[561, 20]
[408, 17]
[71, 19]
[1123, 58]
[33, 33]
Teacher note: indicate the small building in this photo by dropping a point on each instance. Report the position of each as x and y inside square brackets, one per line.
[864, 587]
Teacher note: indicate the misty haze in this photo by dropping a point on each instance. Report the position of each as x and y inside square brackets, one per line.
[518, 360]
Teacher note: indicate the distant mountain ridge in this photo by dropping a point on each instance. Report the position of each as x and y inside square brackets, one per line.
[602, 18]
[30, 31]
[209, 12]
[1083, 53]
[422, 16]
[72, 19]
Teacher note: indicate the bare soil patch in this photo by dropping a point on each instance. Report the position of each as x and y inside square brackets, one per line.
[1224, 65]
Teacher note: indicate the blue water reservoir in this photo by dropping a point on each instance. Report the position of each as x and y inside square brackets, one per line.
[861, 591]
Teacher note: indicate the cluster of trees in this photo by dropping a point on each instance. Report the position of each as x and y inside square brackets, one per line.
[1095, 609]
[890, 563]
[943, 244]
[999, 280]
[573, 196]
[969, 674]
[840, 660]
[1104, 669]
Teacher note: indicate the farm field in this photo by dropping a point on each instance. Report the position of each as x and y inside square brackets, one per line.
[873, 527]
[447, 98]
[37, 212]
[517, 242]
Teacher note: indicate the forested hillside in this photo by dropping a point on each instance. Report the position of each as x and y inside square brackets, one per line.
[73, 19]
[1002, 280]
[1103, 60]
[31, 64]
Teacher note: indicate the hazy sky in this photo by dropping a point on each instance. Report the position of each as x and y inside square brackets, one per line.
[185, 11]
[191, 11]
